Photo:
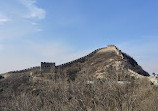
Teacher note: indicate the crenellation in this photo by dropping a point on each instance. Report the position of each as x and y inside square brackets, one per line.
[47, 67]
[82, 59]
[24, 70]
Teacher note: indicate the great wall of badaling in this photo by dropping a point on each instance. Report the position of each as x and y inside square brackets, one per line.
[49, 67]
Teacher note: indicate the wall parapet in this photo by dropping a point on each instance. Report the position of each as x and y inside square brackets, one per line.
[25, 70]
[47, 67]
[82, 59]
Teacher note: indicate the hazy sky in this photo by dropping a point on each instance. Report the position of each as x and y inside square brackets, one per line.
[32, 31]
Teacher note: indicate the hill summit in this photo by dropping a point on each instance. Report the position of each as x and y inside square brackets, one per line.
[105, 80]
[103, 62]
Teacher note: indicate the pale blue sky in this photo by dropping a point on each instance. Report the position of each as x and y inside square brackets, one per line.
[32, 31]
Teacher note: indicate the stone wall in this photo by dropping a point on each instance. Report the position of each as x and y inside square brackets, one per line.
[111, 48]
[47, 67]
[82, 59]
[26, 70]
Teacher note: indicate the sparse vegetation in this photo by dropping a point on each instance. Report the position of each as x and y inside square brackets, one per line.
[63, 95]
[89, 85]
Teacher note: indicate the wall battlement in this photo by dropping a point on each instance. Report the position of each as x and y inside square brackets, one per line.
[82, 59]
[47, 67]
[111, 48]
[25, 70]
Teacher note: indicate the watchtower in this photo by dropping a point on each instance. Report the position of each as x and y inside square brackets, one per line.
[47, 67]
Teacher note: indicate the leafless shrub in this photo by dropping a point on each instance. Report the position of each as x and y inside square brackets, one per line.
[62, 95]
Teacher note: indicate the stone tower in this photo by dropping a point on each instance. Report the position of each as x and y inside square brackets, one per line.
[47, 67]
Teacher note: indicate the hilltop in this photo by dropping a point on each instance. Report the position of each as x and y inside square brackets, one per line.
[92, 82]
[100, 59]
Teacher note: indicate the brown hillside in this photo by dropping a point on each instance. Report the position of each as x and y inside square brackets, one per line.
[90, 83]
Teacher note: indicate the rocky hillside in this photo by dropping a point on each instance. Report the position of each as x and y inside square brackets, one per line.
[98, 63]
[79, 85]
[102, 62]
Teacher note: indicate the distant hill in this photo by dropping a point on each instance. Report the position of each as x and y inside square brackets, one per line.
[76, 82]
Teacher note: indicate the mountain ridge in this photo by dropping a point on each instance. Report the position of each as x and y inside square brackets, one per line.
[127, 61]
[107, 76]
